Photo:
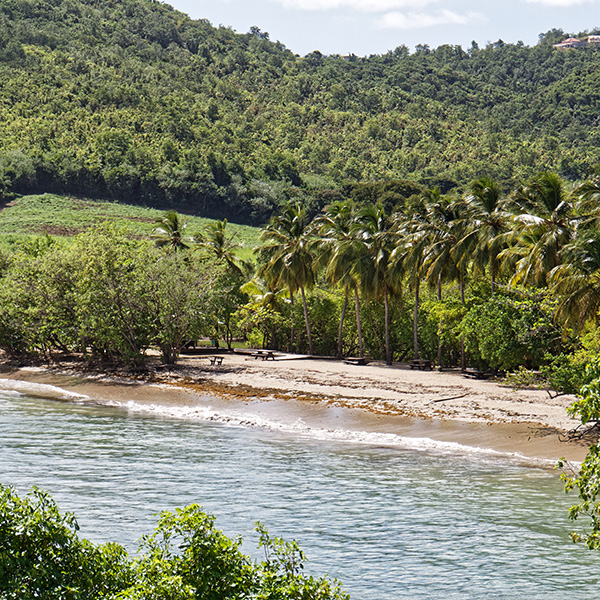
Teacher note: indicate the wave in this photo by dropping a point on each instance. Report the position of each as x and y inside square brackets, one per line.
[17, 387]
[300, 429]
[245, 418]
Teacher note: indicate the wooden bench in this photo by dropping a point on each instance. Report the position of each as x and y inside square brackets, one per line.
[422, 364]
[264, 354]
[356, 360]
[475, 374]
[215, 360]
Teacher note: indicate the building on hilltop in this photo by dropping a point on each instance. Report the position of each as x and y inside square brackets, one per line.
[570, 43]
[592, 40]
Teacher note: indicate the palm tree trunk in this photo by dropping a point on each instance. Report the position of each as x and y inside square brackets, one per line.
[342, 317]
[361, 351]
[292, 320]
[463, 358]
[439, 297]
[310, 342]
[416, 322]
[388, 354]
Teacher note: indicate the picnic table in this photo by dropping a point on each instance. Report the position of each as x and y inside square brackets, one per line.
[264, 354]
[355, 360]
[423, 364]
[215, 360]
[475, 374]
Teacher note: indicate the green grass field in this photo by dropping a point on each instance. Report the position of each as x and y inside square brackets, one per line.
[65, 216]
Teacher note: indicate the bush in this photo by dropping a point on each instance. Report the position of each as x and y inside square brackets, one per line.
[186, 558]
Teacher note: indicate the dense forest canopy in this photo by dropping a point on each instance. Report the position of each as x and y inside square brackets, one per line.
[134, 100]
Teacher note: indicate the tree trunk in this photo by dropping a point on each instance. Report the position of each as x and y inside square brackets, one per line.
[416, 322]
[361, 351]
[388, 354]
[463, 358]
[439, 297]
[310, 342]
[341, 330]
[292, 320]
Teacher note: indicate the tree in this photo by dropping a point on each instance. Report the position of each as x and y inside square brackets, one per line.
[488, 224]
[216, 243]
[286, 255]
[338, 255]
[179, 294]
[114, 308]
[543, 227]
[170, 234]
[41, 555]
[185, 558]
[587, 479]
[447, 252]
[375, 242]
[577, 281]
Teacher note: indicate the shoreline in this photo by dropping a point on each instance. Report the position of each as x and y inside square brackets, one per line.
[442, 406]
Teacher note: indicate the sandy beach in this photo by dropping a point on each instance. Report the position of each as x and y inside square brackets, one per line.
[444, 406]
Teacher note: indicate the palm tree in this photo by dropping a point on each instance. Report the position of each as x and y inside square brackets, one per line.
[215, 242]
[544, 226]
[577, 281]
[374, 242]
[408, 255]
[338, 254]
[170, 234]
[266, 301]
[287, 256]
[587, 204]
[489, 224]
[447, 253]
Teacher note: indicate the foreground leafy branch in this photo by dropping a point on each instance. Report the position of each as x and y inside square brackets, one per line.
[587, 479]
[42, 556]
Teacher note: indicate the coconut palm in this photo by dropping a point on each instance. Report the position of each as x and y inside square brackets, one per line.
[543, 227]
[215, 242]
[588, 202]
[488, 227]
[577, 281]
[170, 233]
[447, 252]
[408, 255]
[338, 254]
[287, 256]
[375, 240]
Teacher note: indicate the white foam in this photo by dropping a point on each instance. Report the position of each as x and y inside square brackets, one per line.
[300, 428]
[243, 418]
[17, 387]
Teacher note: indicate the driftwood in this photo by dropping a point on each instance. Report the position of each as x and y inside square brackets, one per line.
[590, 429]
[446, 399]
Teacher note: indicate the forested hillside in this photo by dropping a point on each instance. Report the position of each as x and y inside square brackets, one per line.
[133, 100]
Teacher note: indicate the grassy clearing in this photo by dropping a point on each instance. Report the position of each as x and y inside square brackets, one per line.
[66, 216]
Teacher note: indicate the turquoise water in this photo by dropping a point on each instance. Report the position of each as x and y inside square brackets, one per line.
[389, 522]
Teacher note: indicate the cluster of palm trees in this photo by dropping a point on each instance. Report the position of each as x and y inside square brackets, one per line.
[544, 234]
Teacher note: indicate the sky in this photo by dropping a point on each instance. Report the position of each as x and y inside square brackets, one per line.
[365, 27]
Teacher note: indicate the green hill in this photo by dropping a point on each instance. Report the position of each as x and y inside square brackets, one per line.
[133, 100]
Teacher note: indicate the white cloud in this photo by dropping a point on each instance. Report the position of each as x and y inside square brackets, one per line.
[360, 5]
[420, 20]
[564, 3]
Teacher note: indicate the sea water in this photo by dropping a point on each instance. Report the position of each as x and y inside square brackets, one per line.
[391, 518]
